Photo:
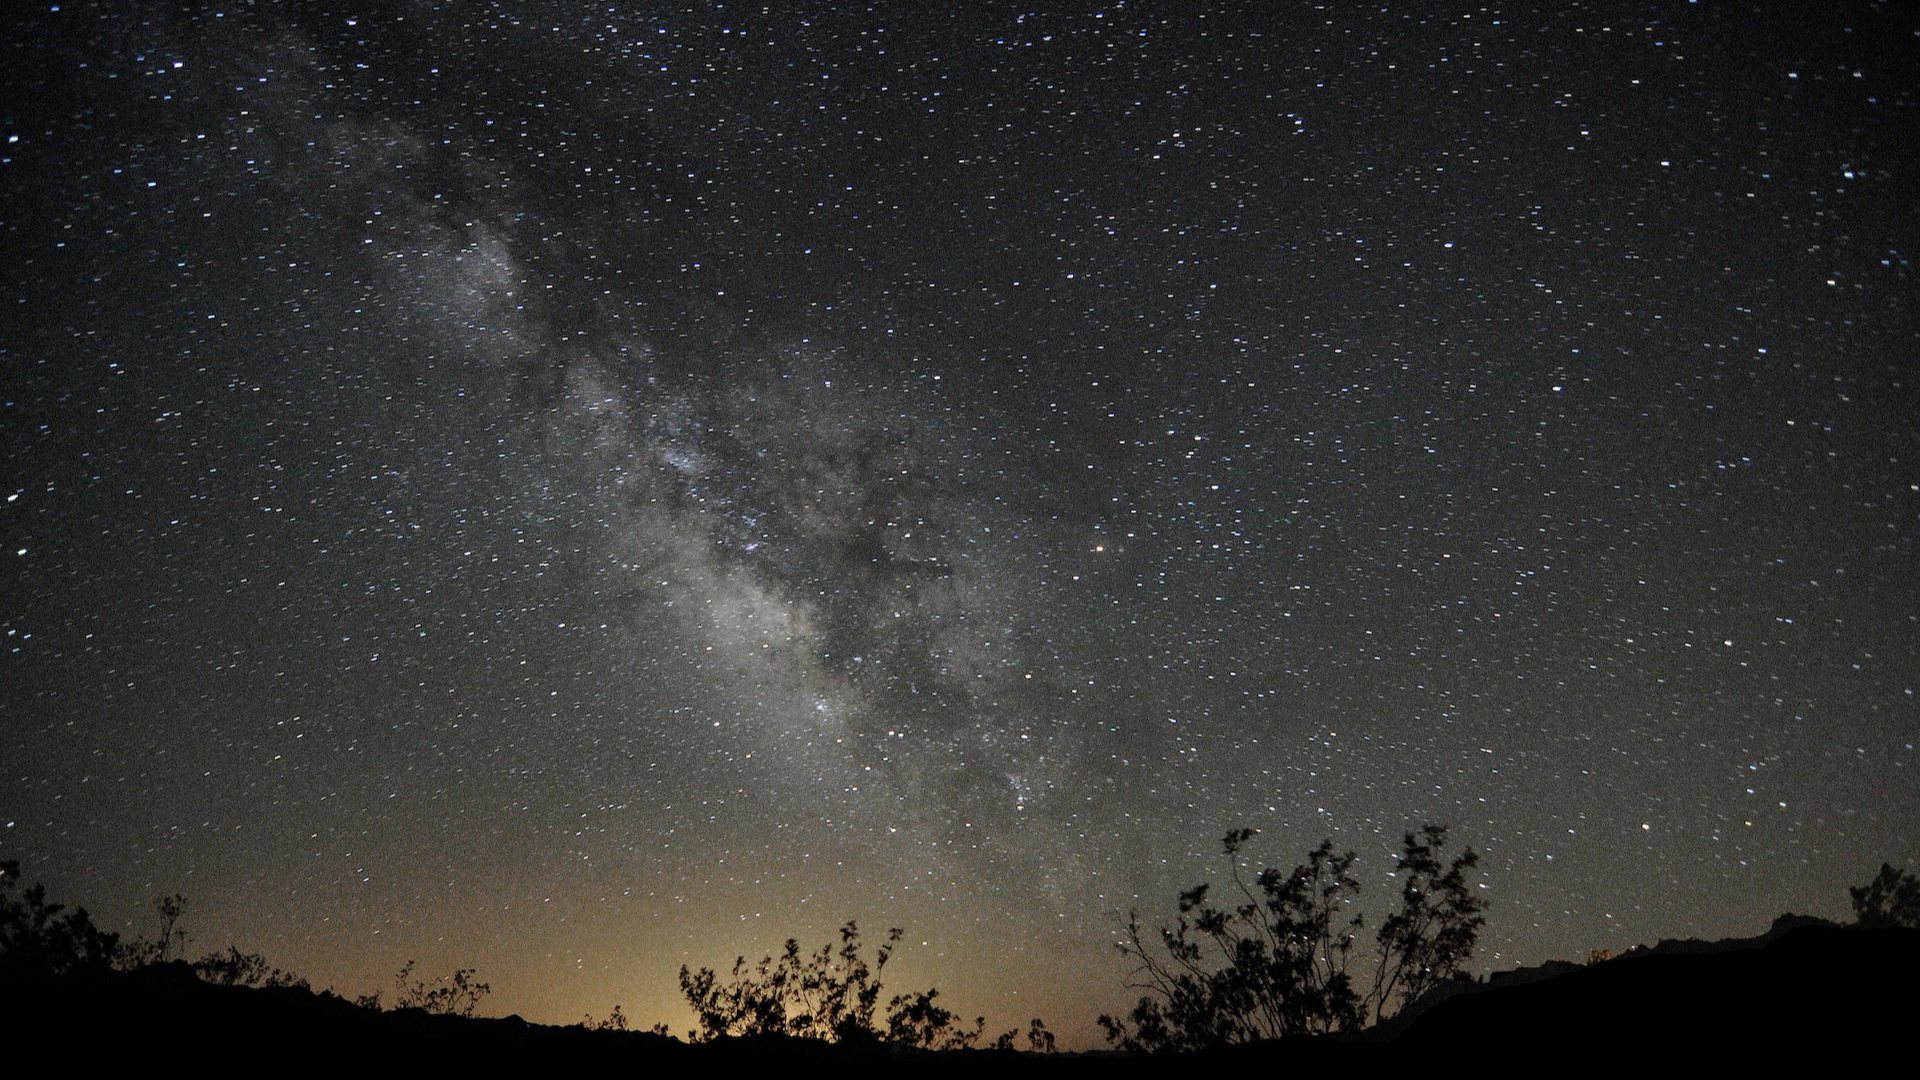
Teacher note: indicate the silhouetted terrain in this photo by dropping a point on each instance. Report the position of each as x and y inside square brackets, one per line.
[1804, 985]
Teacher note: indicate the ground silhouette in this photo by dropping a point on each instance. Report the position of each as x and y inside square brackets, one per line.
[1813, 987]
[1806, 986]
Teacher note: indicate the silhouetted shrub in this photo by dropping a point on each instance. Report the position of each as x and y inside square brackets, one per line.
[37, 941]
[229, 968]
[173, 937]
[449, 995]
[1276, 964]
[615, 1021]
[236, 968]
[831, 995]
[1433, 933]
[1890, 899]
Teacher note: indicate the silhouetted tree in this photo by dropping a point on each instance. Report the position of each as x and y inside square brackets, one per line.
[36, 940]
[1890, 899]
[1276, 963]
[831, 995]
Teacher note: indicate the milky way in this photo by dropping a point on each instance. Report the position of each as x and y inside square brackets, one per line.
[571, 490]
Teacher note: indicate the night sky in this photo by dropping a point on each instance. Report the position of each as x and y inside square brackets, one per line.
[572, 489]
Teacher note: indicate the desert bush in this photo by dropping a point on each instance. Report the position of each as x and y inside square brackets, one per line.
[1271, 966]
[1276, 962]
[225, 968]
[458, 994]
[1039, 1039]
[831, 995]
[1434, 931]
[1891, 899]
[615, 1021]
[172, 937]
[236, 968]
[37, 940]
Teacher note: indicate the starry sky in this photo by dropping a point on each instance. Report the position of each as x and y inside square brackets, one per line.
[571, 489]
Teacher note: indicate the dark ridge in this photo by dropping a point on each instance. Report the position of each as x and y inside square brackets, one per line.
[1807, 987]
[165, 1010]
[1803, 986]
